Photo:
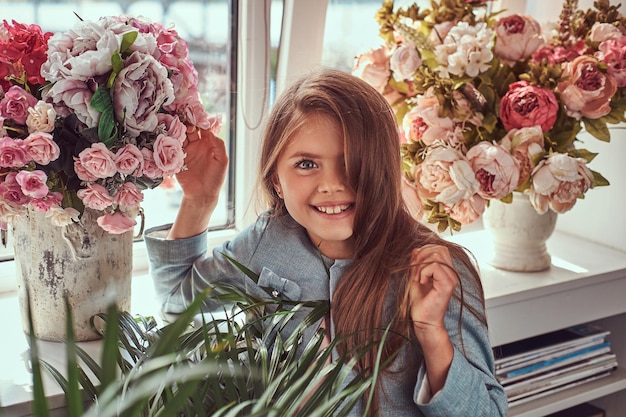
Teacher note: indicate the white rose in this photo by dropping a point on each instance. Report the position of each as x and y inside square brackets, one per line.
[41, 118]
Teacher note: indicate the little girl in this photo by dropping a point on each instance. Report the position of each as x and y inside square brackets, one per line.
[337, 229]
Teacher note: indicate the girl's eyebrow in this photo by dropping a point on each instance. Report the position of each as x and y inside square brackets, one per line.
[300, 154]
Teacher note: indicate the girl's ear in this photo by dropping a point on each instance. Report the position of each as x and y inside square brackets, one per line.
[277, 187]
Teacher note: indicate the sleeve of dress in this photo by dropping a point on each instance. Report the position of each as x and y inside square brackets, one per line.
[183, 268]
[471, 388]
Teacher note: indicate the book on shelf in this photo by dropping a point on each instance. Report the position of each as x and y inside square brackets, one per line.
[554, 362]
[537, 348]
[540, 394]
[563, 376]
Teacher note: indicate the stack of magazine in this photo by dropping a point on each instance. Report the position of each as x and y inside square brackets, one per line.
[552, 362]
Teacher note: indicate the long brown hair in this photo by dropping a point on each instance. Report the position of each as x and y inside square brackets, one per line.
[384, 232]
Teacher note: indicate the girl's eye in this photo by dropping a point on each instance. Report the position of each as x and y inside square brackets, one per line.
[306, 164]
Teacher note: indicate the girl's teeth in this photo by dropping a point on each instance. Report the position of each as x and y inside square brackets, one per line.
[332, 210]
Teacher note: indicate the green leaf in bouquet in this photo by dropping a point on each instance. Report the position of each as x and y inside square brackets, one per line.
[599, 180]
[107, 130]
[127, 40]
[597, 128]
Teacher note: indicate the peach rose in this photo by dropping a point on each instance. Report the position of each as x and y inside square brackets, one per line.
[587, 91]
[373, 67]
[412, 199]
[517, 37]
[60, 217]
[404, 61]
[496, 170]
[526, 145]
[469, 210]
[558, 181]
[424, 123]
[445, 176]
[41, 117]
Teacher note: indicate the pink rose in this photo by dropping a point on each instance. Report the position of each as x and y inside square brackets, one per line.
[517, 37]
[150, 168]
[168, 155]
[586, 91]
[525, 105]
[11, 191]
[613, 53]
[404, 61]
[41, 147]
[33, 183]
[129, 159]
[172, 126]
[116, 223]
[15, 104]
[445, 176]
[558, 181]
[95, 196]
[526, 145]
[129, 196]
[373, 67]
[81, 171]
[139, 91]
[496, 170]
[98, 161]
[47, 202]
[13, 153]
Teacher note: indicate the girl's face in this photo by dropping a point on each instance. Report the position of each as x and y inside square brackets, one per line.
[311, 179]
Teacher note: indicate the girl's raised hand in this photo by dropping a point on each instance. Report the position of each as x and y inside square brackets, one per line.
[206, 164]
[433, 280]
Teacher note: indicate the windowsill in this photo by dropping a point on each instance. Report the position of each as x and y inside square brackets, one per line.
[16, 378]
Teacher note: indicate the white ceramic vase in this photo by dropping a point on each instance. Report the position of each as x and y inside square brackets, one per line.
[81, 262]
[519, 234]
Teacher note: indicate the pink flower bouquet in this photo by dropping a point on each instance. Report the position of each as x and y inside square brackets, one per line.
[488, 105]
[92, 116]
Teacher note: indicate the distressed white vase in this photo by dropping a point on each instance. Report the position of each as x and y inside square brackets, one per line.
[519, 234]
[80, 261]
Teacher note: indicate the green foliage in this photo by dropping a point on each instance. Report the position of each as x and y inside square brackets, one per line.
[229, 366]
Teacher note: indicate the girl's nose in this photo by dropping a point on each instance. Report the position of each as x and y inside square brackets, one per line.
[333, 181]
